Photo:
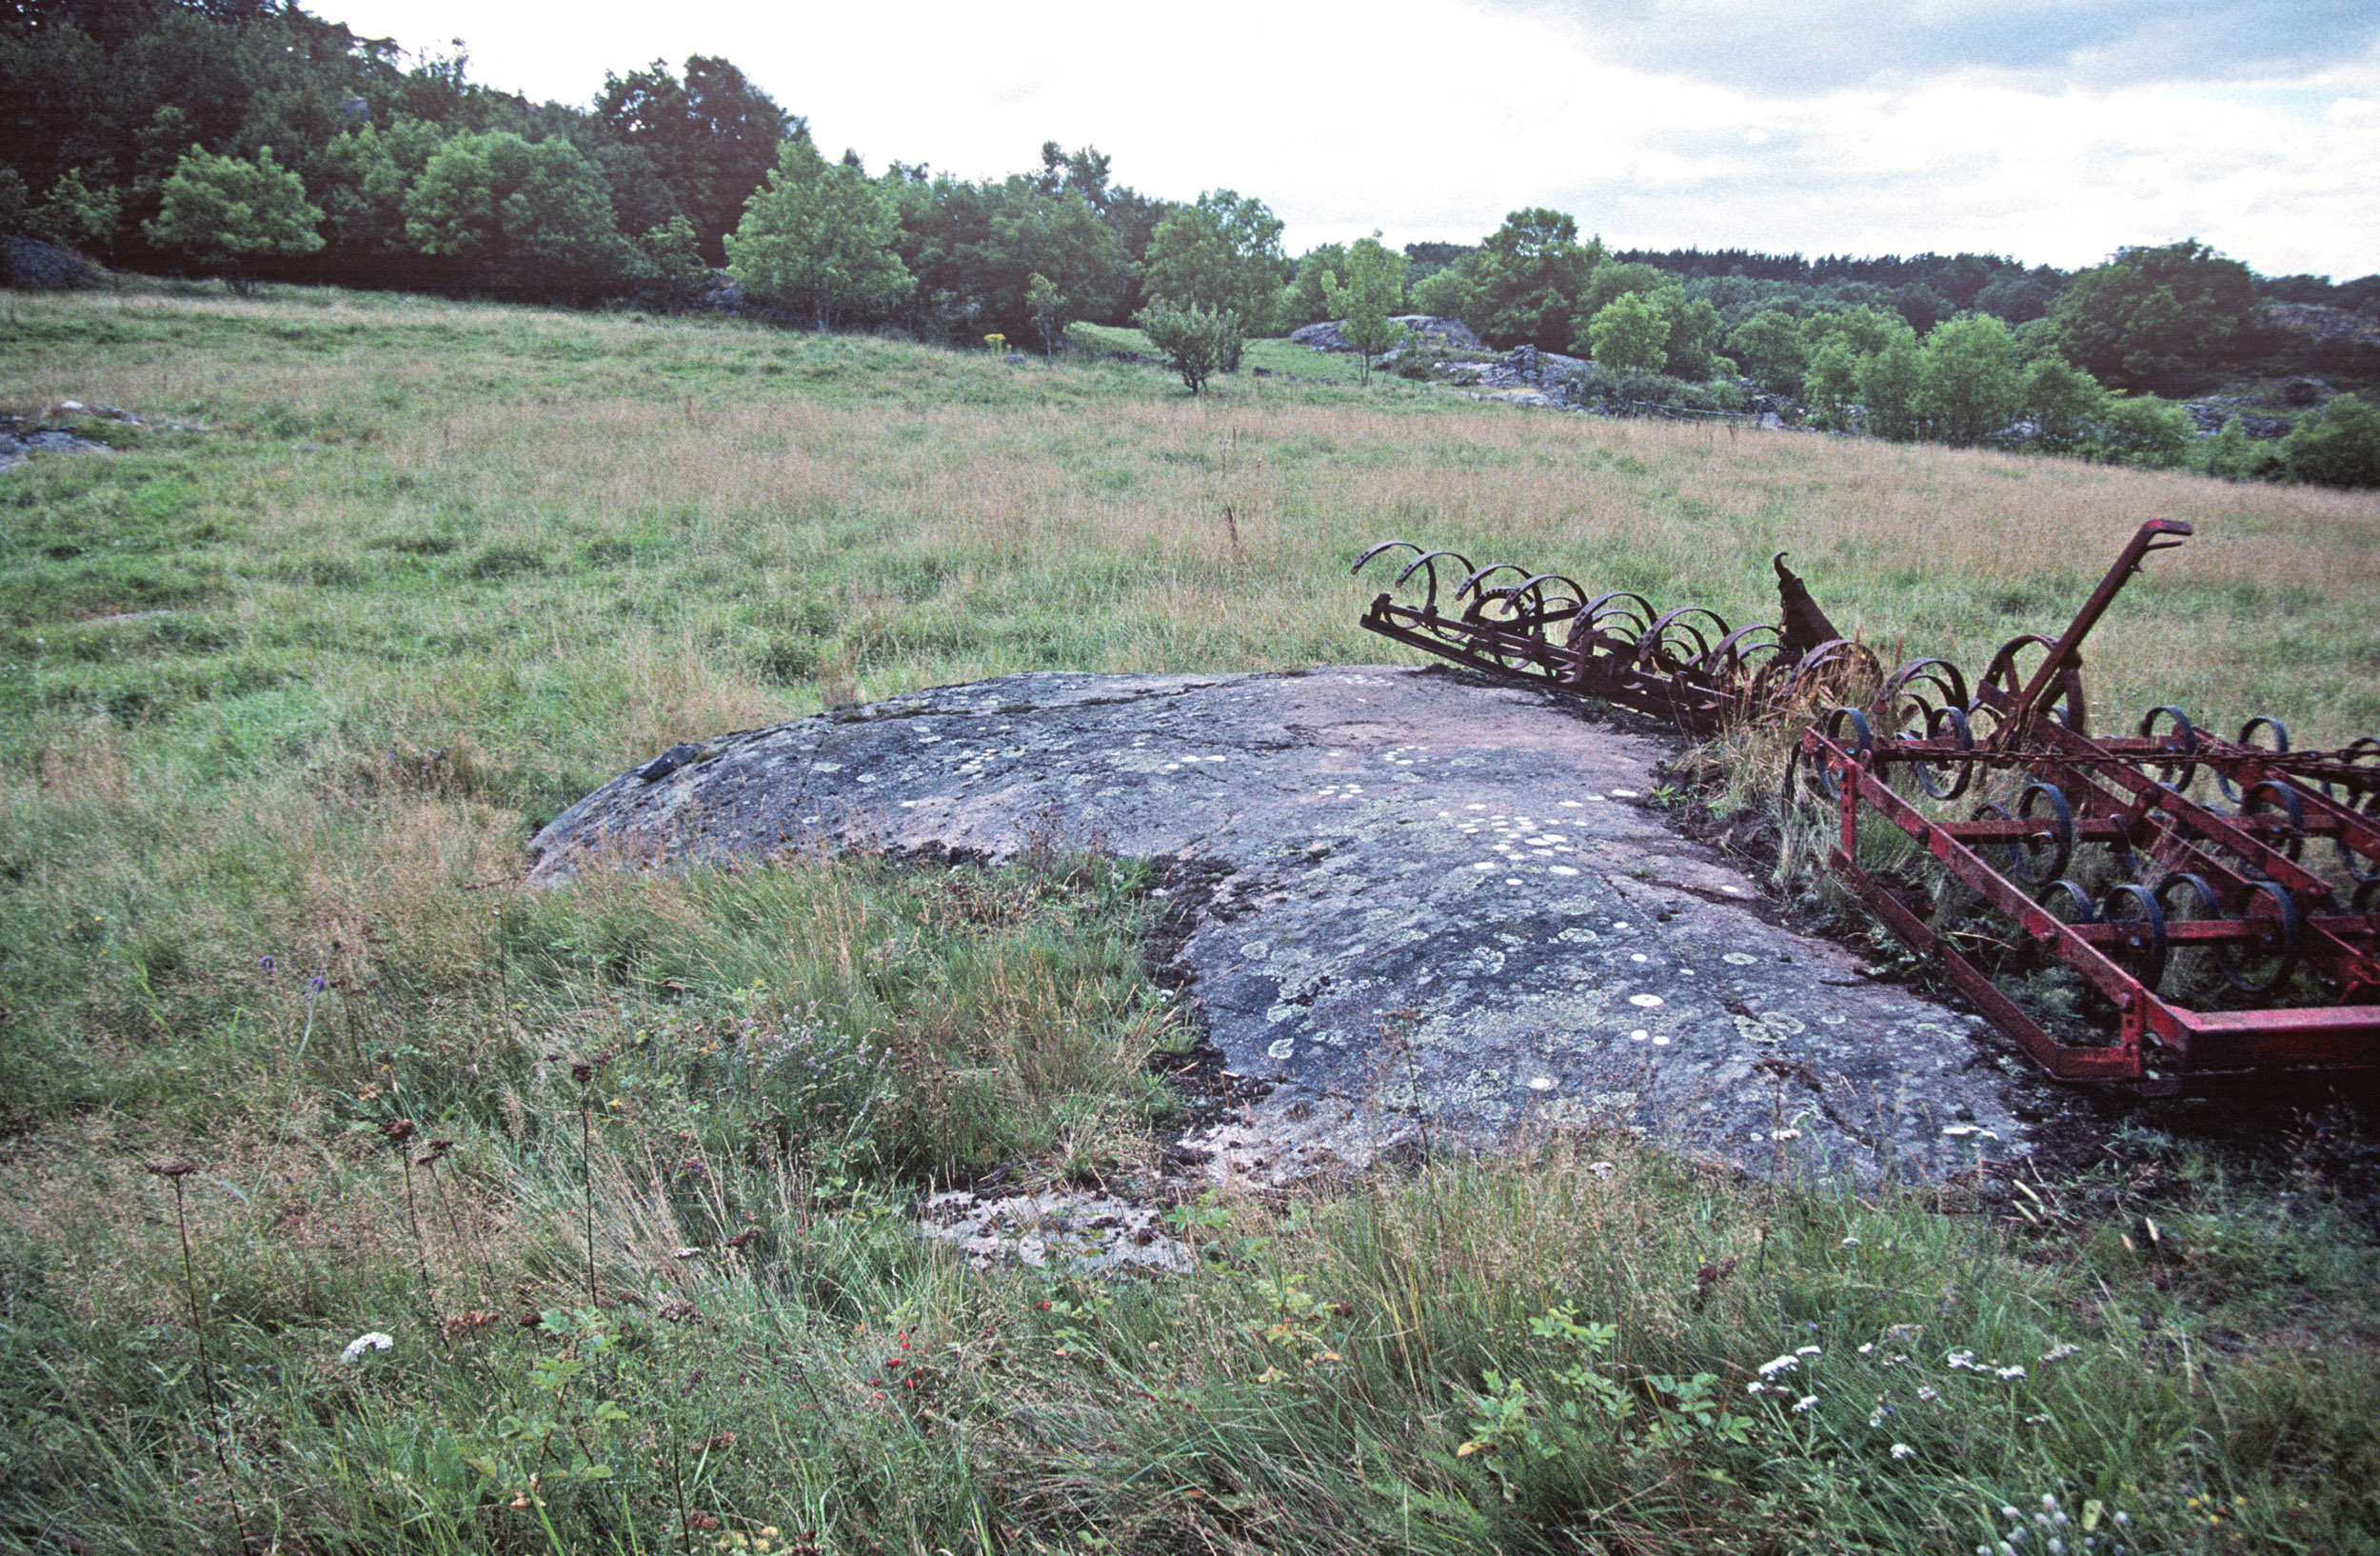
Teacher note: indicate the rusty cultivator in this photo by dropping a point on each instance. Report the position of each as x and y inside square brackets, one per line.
[2230, 930]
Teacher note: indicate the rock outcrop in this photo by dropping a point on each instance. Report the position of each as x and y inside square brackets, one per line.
[1441, 334]
[1429, 911]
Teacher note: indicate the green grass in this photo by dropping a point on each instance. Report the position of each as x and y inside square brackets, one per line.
[381, 584]
[1276, 356]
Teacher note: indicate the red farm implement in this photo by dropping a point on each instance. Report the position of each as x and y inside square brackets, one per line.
[2232, 929]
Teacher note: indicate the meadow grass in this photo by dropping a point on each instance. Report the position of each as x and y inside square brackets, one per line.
[381, 584]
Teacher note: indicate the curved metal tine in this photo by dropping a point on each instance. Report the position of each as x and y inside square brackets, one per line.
[1639, 617]
[1533, 588]
[1551, 602]
[1945, 677]
[1477, 583]
[1426, 564]
[1827, 656]
[1649, 647]
[1383, 546]
[2280, 745]
[1727, 657]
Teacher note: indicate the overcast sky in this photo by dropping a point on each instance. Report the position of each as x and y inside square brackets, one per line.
[2053, 130]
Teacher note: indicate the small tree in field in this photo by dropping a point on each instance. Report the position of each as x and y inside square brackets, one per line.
[1197, 342]
[1374, 287]
[222, 211]
[1049, 312]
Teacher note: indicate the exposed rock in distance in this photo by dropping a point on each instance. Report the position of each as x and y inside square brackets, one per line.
[1444, 334]
[1429, 911]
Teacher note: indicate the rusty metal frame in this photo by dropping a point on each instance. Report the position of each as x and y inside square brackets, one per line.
[2242, 868]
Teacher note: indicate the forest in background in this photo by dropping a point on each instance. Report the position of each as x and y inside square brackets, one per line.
[255, 141]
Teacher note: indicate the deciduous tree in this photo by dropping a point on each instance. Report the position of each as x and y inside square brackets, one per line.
[817, 239]
[1222, 254]
[1629, 334]
[2153, 318]
[1368, 298]
[224, 211]
[1967, 383]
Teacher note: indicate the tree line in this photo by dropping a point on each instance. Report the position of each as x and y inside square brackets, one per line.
[250, 139]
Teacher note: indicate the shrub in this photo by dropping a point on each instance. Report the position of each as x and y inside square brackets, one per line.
[221, 210]
[2144, 430]
[2338, 446]
[2233, 455]
[1197, 342]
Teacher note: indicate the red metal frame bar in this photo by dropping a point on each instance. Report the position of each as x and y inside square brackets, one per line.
[1687, 666]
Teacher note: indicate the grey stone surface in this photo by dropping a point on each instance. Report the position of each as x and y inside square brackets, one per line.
[1445, 334]
[1431, 911]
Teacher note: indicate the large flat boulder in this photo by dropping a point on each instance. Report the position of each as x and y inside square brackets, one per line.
[1429, 910]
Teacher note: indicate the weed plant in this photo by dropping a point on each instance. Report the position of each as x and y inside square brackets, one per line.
[623, 1176]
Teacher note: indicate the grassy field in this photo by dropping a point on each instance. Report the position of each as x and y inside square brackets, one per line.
[381, 584]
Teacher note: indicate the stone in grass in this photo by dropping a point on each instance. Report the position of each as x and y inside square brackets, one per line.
[1417, 909]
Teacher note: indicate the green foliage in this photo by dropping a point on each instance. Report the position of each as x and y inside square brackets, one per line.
[712, 138]
[80, 210]
[1867, 331]
[2233, 455]
[2153, 318]
[1609, 280]
[1833, 385]
[223, 211]
[1222, 255]
[1888, 386]
[2338, 446]
[1770, 348]
[672, 275]
[1197, 342]
[521, 219]
[1368, 299]
[1527, 278]
[1302, 302]
[1694, 331]
[2064, 402]
[816, 240]
[361, 177]
[1631, 334]
[1451, 292]
[1049, 312]
[1968, 386]
[2144, 430]
[975, 248]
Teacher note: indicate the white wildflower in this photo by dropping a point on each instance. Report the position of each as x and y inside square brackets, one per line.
[2005, 1373]
[1755, 1388]
[1847, 1243]
[1807, 1350]
[1902, 1451]
[1782, 1364]
[361, 1343]
[1959, 1360]
[1805, 1405]
[2059, 1352]
[1930, 1394]
[1867, 1348]
[2009, 1512]
[2049, 1503]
